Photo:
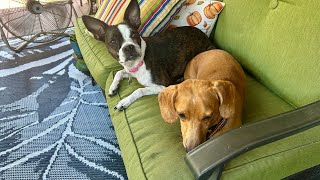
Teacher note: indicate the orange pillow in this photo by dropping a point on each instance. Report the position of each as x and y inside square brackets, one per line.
[202, 14]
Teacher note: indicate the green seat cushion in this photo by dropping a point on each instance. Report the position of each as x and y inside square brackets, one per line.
[97, 58]
[281, 158]
[277, 160]
[152, 149]
[261, 103]
[278, 42]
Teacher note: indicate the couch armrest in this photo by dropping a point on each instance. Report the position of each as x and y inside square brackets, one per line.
[204, 164]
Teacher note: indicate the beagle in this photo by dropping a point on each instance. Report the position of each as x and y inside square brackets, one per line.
[212, 95]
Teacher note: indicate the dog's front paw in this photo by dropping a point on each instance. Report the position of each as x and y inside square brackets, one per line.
[113, 90]
[123, 104]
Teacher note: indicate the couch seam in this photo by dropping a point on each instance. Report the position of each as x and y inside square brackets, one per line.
[277, 94]
[134, 142]
[260, 81]
[280, 152]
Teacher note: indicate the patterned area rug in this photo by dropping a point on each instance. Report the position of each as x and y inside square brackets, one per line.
[53, 123]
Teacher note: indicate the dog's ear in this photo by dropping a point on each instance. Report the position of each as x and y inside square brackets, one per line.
[132, 14]
[96, 27]
[226, 93]
[166, 100]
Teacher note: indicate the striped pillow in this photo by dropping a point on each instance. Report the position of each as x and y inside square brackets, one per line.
[155, 14]
[99, 2]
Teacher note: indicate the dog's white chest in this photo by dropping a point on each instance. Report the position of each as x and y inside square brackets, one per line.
[143, 76]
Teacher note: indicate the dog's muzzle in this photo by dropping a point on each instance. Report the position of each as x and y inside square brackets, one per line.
[130, 52]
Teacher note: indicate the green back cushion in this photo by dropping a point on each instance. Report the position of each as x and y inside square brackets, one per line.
[278, 42]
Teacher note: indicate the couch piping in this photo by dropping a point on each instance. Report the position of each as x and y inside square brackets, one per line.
[134, 142]
[263, 83]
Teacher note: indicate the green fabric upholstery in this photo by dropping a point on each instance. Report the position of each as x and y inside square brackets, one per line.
[98, 60]
[277, 160]
[144, 137]
[261, 103]
[278, 42]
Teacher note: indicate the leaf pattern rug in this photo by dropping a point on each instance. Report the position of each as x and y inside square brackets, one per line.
[54, 124]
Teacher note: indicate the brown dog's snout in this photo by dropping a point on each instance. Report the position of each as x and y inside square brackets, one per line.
[189, 148]
[193, 135]
[192, 143]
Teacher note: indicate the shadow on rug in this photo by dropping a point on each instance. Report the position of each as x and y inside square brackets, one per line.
[53, 123]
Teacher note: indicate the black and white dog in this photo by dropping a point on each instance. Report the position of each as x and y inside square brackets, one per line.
[156, 62]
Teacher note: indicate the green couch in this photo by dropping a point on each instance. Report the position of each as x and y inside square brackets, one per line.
[278, 45]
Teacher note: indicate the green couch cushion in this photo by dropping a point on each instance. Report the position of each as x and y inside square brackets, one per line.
[277, 160]
[260, 103]
[95, 54]
[278, 42]
[153, 149]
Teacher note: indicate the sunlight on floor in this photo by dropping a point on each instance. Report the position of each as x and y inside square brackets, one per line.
[5, 4]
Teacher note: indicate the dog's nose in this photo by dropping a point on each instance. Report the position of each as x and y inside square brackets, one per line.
[130, 52]
[129, 48]
[188, 149]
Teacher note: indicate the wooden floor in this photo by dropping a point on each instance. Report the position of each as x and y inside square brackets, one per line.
[81, 7]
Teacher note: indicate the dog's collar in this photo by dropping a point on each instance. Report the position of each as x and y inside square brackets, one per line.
[217, 127]
[135, 69]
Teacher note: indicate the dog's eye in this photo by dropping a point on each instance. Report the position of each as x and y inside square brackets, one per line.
[182, 116]
[112, 42]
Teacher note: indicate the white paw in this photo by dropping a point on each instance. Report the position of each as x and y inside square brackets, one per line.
[123, 104]
[113, 89]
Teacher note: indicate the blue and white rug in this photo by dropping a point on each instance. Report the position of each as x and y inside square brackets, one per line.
[53, 123]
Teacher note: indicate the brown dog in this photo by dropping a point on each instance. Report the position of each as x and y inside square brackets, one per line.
[213, 90]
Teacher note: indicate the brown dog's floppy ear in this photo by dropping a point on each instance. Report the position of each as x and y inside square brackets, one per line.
[132, 14]
[226, 93]
[166, 100]
[96, 27]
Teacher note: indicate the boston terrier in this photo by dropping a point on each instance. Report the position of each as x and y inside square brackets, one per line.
[156, 62]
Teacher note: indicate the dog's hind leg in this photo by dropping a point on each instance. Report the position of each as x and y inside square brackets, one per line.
[124, 103]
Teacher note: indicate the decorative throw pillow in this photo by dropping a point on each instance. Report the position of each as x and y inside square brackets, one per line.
[202, 14]
[155, 14]
[99, 2]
